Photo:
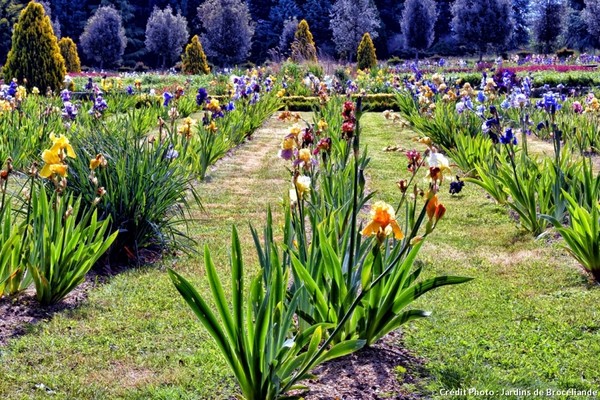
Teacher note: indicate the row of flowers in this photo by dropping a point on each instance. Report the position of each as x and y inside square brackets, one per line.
[122, 183]
[486, 131]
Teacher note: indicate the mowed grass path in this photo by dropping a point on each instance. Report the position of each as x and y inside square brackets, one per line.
[529, 320]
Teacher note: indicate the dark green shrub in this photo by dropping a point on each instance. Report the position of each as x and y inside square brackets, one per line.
[395, 61]
[564, 53]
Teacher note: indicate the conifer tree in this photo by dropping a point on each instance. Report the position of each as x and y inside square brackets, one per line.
[418, 22]
[68, 49]
[366, 57]
[193, 59]
[303, 47]
[350, 19]
[35, 55]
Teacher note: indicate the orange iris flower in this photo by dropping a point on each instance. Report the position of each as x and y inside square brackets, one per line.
[383, 222]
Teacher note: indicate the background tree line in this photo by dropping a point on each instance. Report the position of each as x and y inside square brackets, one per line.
[112, 33]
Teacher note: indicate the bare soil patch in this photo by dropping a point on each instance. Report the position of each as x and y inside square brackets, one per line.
[383, 371]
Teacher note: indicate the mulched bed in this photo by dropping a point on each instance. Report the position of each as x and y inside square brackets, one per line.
[383, 371]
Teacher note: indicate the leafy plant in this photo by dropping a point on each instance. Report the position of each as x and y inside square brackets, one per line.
[13, 274]
[147, 189]
[258, 337]
[582, 235]
[63, 243]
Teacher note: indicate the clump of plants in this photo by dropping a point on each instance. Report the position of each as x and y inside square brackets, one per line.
[60, 237]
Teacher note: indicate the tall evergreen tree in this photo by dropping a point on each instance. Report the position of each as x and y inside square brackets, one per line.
[103, 40]
[68, 49]
[303, 47]
[521, 35]
[547, 24]
[229, 30]
[35, 55]
[48, 11]
[166, 34]
[350, 20]
[365, 55]
[418, 22]
[193, 59]
[316, 13]
[9, 13]
[482, 23]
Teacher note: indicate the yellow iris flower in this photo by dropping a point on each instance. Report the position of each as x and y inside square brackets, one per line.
[55, 156]
[61, 143]
[54, 164]
[322, 124]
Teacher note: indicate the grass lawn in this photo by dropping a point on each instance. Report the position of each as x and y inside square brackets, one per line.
[529, 320]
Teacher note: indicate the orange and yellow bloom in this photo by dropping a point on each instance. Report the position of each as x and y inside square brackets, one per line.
[383, 222]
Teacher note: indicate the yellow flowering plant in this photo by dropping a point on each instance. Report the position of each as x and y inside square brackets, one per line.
[346, 292]
[59, 239]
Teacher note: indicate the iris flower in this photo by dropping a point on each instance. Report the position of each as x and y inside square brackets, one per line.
[55, 156]
[383, 222]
